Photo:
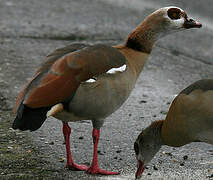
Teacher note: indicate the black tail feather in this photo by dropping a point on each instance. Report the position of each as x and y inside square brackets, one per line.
[29, 118]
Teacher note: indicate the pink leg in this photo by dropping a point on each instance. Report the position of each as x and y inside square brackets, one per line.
[94, 168]
[70, 163]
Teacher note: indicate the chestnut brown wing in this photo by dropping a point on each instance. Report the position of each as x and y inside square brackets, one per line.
[58, 78]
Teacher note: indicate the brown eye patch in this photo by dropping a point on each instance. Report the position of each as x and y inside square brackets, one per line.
[174, 13]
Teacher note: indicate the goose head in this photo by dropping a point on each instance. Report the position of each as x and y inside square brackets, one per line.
[147, 145]
[172, 19]
[160, 23]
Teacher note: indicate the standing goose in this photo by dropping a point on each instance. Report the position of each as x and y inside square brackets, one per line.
[80, 82]
[190, 119]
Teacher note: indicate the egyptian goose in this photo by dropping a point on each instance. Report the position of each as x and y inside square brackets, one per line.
[190, 119]
[80, 82]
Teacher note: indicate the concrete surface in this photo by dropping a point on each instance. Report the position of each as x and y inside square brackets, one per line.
[29, 30]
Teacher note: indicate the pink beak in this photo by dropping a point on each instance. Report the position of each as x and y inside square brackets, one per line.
[190, 23]
[140, 170]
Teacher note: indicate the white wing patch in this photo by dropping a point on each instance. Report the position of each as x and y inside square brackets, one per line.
[119, 69]
[90, 80]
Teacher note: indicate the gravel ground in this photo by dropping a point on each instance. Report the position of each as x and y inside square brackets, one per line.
[29, 30]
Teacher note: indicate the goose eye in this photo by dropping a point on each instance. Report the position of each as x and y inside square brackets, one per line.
[136, 148]
[174, 13]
